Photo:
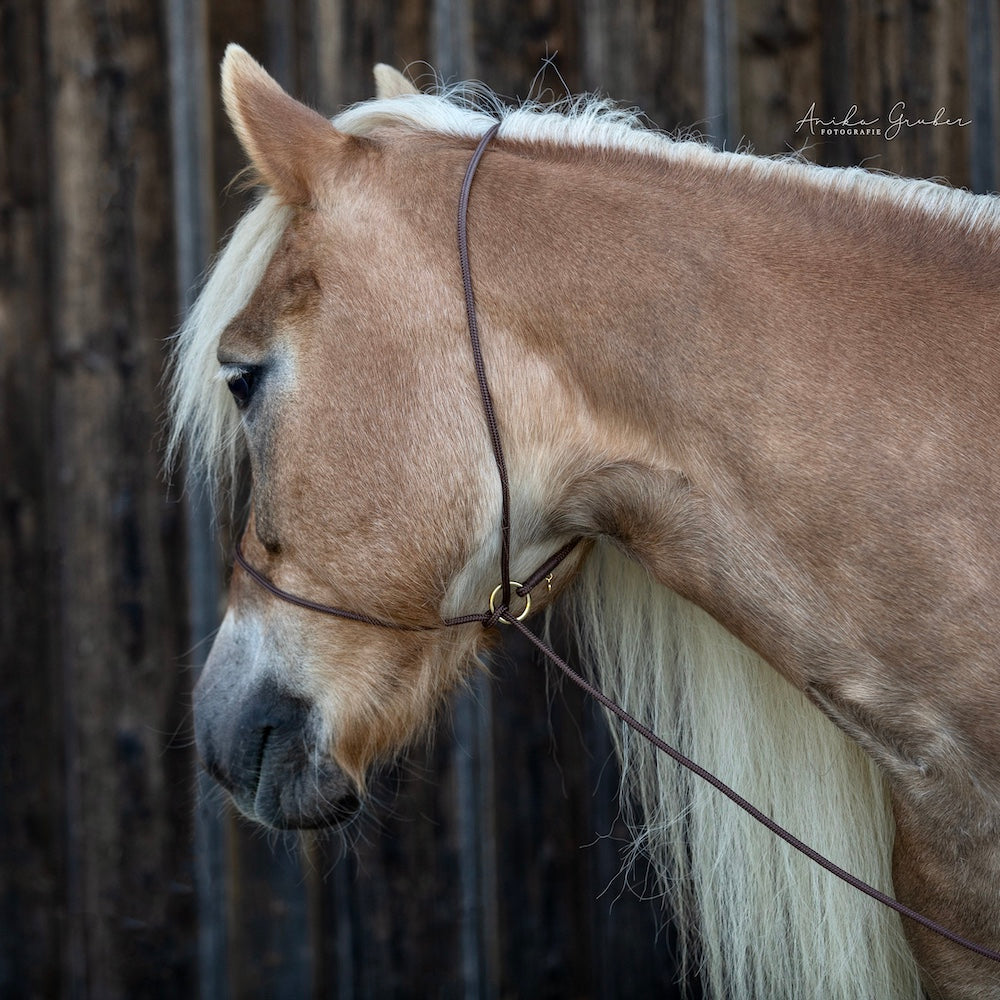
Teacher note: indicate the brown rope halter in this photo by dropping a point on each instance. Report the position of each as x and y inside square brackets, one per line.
[500, 612]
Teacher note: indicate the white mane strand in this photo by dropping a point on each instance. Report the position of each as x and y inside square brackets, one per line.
[758, 920]
[595, 123]
[205, 421]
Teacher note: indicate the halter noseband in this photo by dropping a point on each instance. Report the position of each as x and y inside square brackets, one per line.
[500, 612]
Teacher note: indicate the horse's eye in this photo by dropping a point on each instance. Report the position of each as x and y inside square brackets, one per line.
[242, 385]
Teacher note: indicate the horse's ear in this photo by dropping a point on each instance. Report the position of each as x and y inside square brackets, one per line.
[289, 145]
[390, 82]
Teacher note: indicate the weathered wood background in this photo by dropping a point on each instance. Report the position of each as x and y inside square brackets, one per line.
[490, 867]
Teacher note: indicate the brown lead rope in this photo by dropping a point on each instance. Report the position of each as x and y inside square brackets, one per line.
[502, 613]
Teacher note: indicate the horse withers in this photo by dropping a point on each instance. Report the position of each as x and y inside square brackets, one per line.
[764, 393]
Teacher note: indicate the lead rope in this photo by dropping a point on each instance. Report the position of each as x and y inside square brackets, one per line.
[502, 613]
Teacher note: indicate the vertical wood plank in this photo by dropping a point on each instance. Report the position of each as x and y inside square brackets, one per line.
[896, 59]
[191, 96]
[648, 55]
[129, 887]
[242, 22]
[721, 73]
[396, 899]
[544, 931]
[982, 33]
[838, 82]
[369, 32]
[778, 71]
[512, 42]
[32, 785]
[675, 69]
[921, 69]
[269, 909]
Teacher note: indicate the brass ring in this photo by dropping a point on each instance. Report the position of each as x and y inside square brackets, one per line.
[514, 585]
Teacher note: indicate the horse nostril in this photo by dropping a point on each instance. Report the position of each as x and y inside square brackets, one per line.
[266, 750]
[261, 752]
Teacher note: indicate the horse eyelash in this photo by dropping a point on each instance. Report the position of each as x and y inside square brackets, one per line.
[227, 373]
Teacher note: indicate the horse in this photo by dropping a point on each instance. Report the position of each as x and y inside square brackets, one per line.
[764, 395]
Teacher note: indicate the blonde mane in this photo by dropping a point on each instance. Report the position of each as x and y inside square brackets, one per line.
[758, 920]
[595, 123]
[204, 420]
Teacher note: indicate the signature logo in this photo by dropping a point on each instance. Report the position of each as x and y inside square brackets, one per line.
[895, 122]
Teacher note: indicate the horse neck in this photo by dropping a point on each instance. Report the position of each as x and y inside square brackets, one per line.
[742, 344]
[701, 286]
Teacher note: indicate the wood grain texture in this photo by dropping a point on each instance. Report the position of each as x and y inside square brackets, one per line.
[32, 781]
[100, 702]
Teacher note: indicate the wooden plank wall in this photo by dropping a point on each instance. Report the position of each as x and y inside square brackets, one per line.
[490, 865]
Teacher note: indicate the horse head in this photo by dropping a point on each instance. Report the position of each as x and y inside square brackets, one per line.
[331, 345]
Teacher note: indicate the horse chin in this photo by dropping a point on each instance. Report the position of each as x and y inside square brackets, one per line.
[305, 799]
[309, 816]
[266, 754]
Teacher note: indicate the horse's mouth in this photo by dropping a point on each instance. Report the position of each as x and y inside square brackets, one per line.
[303, 812]
[265, 755]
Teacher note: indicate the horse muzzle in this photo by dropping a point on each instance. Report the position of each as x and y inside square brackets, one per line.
[260, 743]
